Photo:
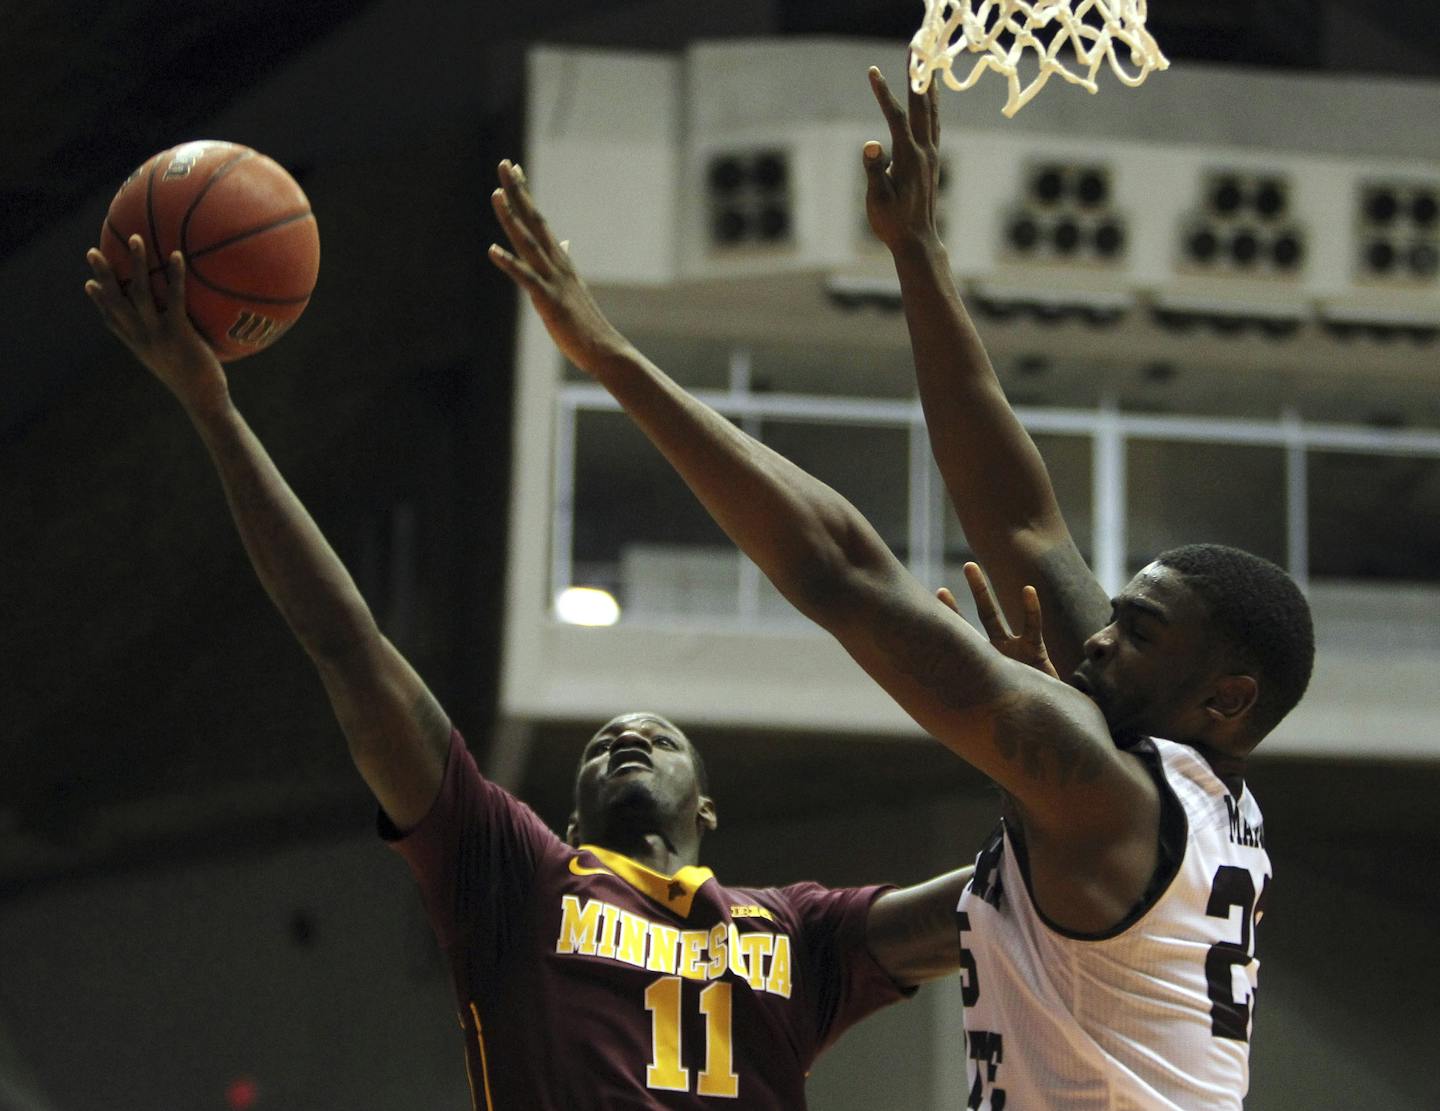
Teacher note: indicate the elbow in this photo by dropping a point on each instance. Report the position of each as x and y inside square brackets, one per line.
[839, 578]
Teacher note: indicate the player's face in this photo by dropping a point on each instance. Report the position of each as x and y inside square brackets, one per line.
[637, 773]
[1151, 668]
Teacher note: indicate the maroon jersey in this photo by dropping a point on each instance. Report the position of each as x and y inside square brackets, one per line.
[586, 980]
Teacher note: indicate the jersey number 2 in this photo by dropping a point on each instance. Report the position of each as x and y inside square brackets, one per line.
[1232, 887]
[665, 1072]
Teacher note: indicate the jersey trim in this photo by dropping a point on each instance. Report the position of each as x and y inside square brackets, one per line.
[1173, 835]
[676, 892]
[484, 1063]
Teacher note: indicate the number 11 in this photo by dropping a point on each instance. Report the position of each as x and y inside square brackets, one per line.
[665, 1072]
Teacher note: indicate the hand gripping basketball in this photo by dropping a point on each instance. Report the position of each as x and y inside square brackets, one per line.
[155, 327]
[251, 247]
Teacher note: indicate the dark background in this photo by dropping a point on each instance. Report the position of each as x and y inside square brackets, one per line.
[154, 711]
[153, 706]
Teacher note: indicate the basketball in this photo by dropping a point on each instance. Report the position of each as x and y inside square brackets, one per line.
[251, 246]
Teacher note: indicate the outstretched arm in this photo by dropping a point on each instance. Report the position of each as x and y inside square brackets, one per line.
[912, 932]
[397, 732]
[995, 476]
[1044, 742]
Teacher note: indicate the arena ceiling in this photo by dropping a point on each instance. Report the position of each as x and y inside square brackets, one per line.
[83, 87]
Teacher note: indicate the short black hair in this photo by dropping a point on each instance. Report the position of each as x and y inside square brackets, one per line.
[1262, 616]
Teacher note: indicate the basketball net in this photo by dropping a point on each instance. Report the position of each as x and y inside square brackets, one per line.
[1006, 33]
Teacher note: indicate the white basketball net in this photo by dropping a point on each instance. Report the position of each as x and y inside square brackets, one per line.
[1003, 33]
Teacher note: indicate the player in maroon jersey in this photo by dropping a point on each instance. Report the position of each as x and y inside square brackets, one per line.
[609, 970]
[603, 970]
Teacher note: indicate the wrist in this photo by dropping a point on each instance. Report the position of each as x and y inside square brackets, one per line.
[617, 358]
[606, 351]
[922, 249]
[208, 403]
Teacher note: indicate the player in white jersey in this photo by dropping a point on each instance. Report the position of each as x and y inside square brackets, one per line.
[1152, 1014]
[1141, 997]
[1207, 647]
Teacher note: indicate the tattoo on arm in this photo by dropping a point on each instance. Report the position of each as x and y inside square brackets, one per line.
[1026, 734]
[1027, 731]
[921, 649]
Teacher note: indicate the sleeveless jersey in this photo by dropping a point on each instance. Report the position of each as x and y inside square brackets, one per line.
[587, 982]
[1156, 1013]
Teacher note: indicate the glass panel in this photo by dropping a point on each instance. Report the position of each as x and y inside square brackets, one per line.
[870, 466]
[1068, 459]
[640, 533]
[1374, 517]
[1189, 493]
[638, 530]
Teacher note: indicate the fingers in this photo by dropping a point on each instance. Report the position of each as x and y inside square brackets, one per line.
[1034, 630]
[890, 108]
[518, 272]
[919, 116]
[523, 242]
[1034, 633]
[877, 180]
[924, 109]
[103, 287]
[517, 192]
[139, 294]
[947, 599]
[985, 604]
[105, 294]
[175, 283]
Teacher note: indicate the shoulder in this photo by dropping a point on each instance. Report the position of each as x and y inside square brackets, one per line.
[1205, 797]
[468, 801]
[813, 908]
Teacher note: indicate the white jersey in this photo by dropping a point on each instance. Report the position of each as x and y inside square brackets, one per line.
[1154, 1014]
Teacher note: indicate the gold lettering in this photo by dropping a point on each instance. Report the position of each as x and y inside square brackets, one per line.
[779, 981]
[664, 948]
[692, 950]
[737, 959]
[756, 947]
[633, 931]
[719, 934]
[577, 925]
[605, 945]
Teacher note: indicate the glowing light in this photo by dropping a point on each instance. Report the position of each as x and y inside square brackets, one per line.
[587, 605]
[241, 1093]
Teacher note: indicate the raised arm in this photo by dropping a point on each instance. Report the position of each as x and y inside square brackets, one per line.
[1042, 741]
[995, 476]
[397, 732]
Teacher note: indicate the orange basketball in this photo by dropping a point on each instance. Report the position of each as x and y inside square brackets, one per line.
[252, 251]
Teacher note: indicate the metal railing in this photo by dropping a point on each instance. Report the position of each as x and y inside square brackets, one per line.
[1109, 429]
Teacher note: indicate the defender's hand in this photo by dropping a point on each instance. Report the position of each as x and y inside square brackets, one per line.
[156, 329]
[541, 267]
[901, 191]
[1027, 648]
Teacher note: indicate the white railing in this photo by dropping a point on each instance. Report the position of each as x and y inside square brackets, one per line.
[1108, 428]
